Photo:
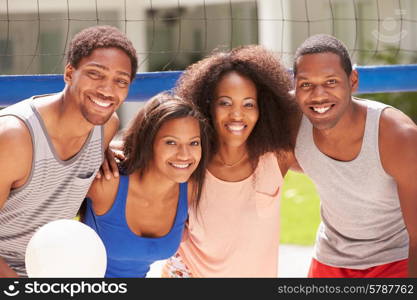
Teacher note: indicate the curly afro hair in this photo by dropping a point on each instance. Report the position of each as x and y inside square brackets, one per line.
[277, 108]
[89, 39]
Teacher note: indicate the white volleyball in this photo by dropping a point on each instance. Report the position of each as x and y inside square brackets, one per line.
[65, 248]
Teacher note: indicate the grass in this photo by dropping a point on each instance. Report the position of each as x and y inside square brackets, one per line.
[300, 210]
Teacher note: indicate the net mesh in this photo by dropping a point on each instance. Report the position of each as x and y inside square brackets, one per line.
[171, 34]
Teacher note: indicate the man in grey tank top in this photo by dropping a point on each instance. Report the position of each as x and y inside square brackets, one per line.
[362, 156]
[53, 145]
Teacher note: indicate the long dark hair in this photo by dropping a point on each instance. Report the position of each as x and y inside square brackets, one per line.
[140, 135]
[273, 129]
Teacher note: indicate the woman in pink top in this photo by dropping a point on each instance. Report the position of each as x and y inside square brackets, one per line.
[234, 230]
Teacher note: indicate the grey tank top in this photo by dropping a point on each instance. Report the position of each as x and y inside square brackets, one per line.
[362, 223]
[54, 190]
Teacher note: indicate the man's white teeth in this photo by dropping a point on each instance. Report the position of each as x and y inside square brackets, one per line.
[235, 127]
[100, 103]
[321, 110]
[180, 166]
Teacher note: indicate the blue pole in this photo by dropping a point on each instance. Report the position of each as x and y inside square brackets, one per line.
[372, 79]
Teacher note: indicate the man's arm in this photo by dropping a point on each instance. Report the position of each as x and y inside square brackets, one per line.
[293, 164]
[287, 161]
[15, 163]
[398, 150]
[103, 190]
[109, 166]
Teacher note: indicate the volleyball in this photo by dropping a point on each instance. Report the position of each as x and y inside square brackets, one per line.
[65, 248]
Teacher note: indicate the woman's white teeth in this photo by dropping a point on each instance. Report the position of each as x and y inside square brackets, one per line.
[180, 166]
[100, 103]
[235, 127]
[321, 110]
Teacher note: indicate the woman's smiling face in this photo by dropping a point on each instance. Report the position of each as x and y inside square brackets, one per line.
[235, 109]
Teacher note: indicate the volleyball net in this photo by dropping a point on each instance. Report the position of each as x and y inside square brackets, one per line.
[172, 34]
[169, 35]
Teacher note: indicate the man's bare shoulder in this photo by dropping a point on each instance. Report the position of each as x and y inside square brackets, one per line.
[395, 127]
[15, 155]
[102, 193]
[110, 128]
[397, 140]
[113, 122]
[14, 133]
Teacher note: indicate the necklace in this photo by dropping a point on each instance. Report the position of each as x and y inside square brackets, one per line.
[234, 164]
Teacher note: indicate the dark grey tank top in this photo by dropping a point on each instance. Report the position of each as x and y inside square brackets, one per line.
[54, 189]
[362, 223]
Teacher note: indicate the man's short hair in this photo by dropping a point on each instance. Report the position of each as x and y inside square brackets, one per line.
[322, 43]
[89, 39]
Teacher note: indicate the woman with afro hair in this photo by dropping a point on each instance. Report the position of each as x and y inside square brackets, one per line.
[234, 229]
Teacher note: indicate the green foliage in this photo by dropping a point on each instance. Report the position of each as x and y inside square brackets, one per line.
[300, 210]
[407, 101]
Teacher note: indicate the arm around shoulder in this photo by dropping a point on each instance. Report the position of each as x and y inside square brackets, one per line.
[292, 162]
[102, 194]
[109, 167]
[287, 161]
[110, 129]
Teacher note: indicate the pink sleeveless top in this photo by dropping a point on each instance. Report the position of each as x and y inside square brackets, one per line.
[235, 232]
